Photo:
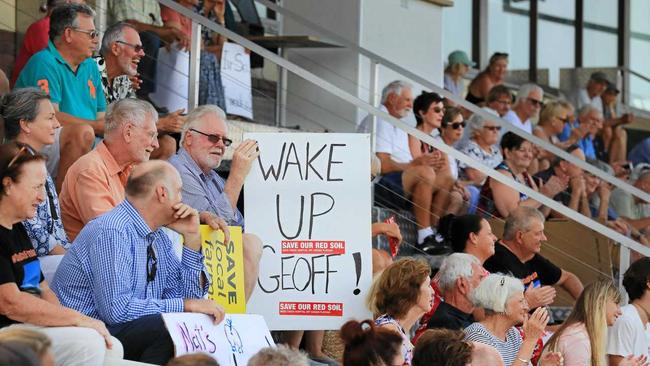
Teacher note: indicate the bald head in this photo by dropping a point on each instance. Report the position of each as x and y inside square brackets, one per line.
[484, 355]
[147, 176]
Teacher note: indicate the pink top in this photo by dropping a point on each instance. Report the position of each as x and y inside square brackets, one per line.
[574, 345]
[169, 15]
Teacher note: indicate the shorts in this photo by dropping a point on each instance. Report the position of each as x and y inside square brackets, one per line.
[389, 192]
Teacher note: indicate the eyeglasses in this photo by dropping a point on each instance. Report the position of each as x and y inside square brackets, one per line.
[535, 102]
[136, 47]
[456, 125]
[493, 128]
[214, 138]
[152, 262]
[91, 33]
[15, 158]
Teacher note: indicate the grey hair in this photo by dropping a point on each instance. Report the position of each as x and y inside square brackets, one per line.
[66, 16]
[476, 122]
[113, 34]
[588, 108]
[197, 114]
[394, 87]
[455, 266]
[493, 292]
[525, 90]
[129, 110]
[521, 219]
[278, 356]
[20, 104]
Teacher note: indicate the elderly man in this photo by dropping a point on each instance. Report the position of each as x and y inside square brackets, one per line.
[66, 71]
[404, 177]
[120, 54]
[145, 16]
[590, 94]
[123, 270]
[459, 275]
[632, 209]
[203, 143]
[95, 183]
[526, 107]
[517, 254]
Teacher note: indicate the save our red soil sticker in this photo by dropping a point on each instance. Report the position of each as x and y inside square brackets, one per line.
[313, 247]
[311, 308]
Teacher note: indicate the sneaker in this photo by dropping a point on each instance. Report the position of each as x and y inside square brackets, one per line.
[435, 245]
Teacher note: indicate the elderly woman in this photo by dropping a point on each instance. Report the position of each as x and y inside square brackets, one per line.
[498, 199]
[400, 296]
[502, 298]
[25, 296]
[482, 136]
[493, 75]
[29, 120]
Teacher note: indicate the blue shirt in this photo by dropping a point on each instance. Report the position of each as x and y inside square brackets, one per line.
[640, 153]
[78, 93]
[204, 191]
[104, 274]
[45, 230]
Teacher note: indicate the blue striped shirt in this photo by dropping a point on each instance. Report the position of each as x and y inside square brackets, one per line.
[204, 191]
[104, 274]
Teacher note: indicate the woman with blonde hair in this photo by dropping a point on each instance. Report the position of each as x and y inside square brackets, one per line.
[399, 297]
[583, 337]
[37, 341]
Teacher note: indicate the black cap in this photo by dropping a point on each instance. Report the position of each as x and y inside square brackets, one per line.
[611, 88]
[599, 77]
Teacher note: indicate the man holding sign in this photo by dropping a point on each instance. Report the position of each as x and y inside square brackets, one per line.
[203, 144]
[122, 268]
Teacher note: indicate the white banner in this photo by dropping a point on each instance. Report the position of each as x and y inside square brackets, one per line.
[232, 342]
[236, 80]
[172, 79]
[308, 199]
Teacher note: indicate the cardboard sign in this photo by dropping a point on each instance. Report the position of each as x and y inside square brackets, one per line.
[236, 80]
[232, 342]
[308, 199]
[225, 264]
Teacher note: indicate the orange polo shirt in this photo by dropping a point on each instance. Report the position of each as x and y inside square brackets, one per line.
[93, 185]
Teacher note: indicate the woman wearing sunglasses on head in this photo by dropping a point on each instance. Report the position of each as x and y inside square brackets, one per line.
[369, 345]
[26, 299]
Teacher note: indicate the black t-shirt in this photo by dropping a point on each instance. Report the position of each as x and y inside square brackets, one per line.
[18, 263]
[539, 270]
[449, 317]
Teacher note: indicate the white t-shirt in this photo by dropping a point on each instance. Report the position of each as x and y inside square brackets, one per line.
[514, 120]
[628, 336]
[583, 99]
[389, 139]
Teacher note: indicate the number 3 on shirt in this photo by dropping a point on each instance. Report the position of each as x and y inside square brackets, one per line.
[44, 85]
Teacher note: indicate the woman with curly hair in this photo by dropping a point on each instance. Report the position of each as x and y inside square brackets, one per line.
[400, 296]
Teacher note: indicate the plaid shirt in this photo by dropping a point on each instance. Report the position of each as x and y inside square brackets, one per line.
[143, 11]
[104, 274]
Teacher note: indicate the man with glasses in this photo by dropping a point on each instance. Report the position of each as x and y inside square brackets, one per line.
[120, 54]
[95, 183]
[500, 99]
[203, 145]
[124, 271]
[526, 107]
[67, 73]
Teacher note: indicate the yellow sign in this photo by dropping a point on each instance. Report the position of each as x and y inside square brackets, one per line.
[225, 264]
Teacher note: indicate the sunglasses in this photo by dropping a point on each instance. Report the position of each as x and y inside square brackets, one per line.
[136, 47]
[214, 138]
[493, 128]
[536, 102]
[152, 263]
[438, 110]
[564, 120]
[15, 158]
[456, 125]
[91, 33]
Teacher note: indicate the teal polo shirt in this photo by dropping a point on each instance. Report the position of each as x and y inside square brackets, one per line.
[77, 93]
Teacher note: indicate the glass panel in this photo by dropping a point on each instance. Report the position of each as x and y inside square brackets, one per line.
[508, 31]
[640, 53]
[457, 28]
[601, 12]
[555, 49]
[600, 49]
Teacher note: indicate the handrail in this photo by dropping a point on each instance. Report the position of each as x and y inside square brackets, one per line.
[465, 104]
[635, 73]
[344, 95]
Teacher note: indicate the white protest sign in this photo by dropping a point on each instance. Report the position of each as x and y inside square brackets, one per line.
[236, 80]
[232, 342]
[172, 79]
[308, 199]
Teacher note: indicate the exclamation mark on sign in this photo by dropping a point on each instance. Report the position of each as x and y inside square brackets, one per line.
[357, 267]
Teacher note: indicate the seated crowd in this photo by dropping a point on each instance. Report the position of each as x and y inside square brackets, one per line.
[93, 177]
